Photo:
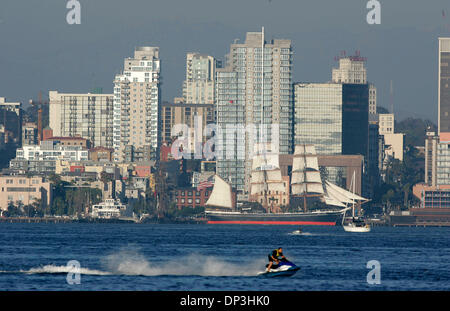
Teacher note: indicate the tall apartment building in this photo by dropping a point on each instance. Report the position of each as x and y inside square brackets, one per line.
[253, 88]
[137, 104]
[443, 86]
[198, 88]
[85, 115]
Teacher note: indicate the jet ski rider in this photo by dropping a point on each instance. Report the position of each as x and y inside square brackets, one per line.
[276, 255]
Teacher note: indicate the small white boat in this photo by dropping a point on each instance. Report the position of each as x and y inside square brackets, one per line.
[355, 224]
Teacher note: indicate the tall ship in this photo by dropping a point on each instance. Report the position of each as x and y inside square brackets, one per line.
[312, 202]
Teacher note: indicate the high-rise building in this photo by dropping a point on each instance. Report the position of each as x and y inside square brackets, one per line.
[333, 117]
[444, 86]
[253, 88]
[86, 115]
[318, 116]
[352, 70]
[137, 108]
[198, 88]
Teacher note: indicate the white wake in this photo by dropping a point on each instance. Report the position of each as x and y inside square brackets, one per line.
[129, 261]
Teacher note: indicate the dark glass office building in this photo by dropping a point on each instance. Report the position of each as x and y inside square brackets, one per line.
[355, 119]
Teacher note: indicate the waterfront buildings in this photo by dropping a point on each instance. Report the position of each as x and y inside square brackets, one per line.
[136, 113]
[52, 150]
[23, 189]
[85, 115]
[253, 88]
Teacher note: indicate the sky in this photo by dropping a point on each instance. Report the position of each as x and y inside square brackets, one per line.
[40, 51]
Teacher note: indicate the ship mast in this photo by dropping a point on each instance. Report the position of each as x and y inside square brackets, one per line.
[305, 208]
[265, 204]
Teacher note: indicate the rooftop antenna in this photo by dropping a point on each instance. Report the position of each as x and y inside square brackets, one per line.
[391, 96]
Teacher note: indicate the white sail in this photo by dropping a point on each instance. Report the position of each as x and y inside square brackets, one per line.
[336, 195]
[298, 189]
[312, 163]
[257, 177]
[257, 162]
[298, 178]
[330, 201]
[314, 188]
[298, 164]
[221, 195]
[313, 177]
[351, 196]
[310, 150]
[299, 150]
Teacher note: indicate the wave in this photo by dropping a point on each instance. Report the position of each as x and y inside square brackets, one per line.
[300, 233]
[52, 269]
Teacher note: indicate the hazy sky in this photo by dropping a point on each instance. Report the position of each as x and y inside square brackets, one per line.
[39, 51]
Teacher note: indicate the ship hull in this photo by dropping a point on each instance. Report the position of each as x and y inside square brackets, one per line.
[318, 219]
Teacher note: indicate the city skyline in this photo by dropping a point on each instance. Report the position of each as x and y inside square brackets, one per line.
[315, 43]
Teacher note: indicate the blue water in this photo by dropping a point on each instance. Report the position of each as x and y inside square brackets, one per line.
[219, 257]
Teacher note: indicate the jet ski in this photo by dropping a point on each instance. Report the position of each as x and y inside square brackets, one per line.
[283, 268]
